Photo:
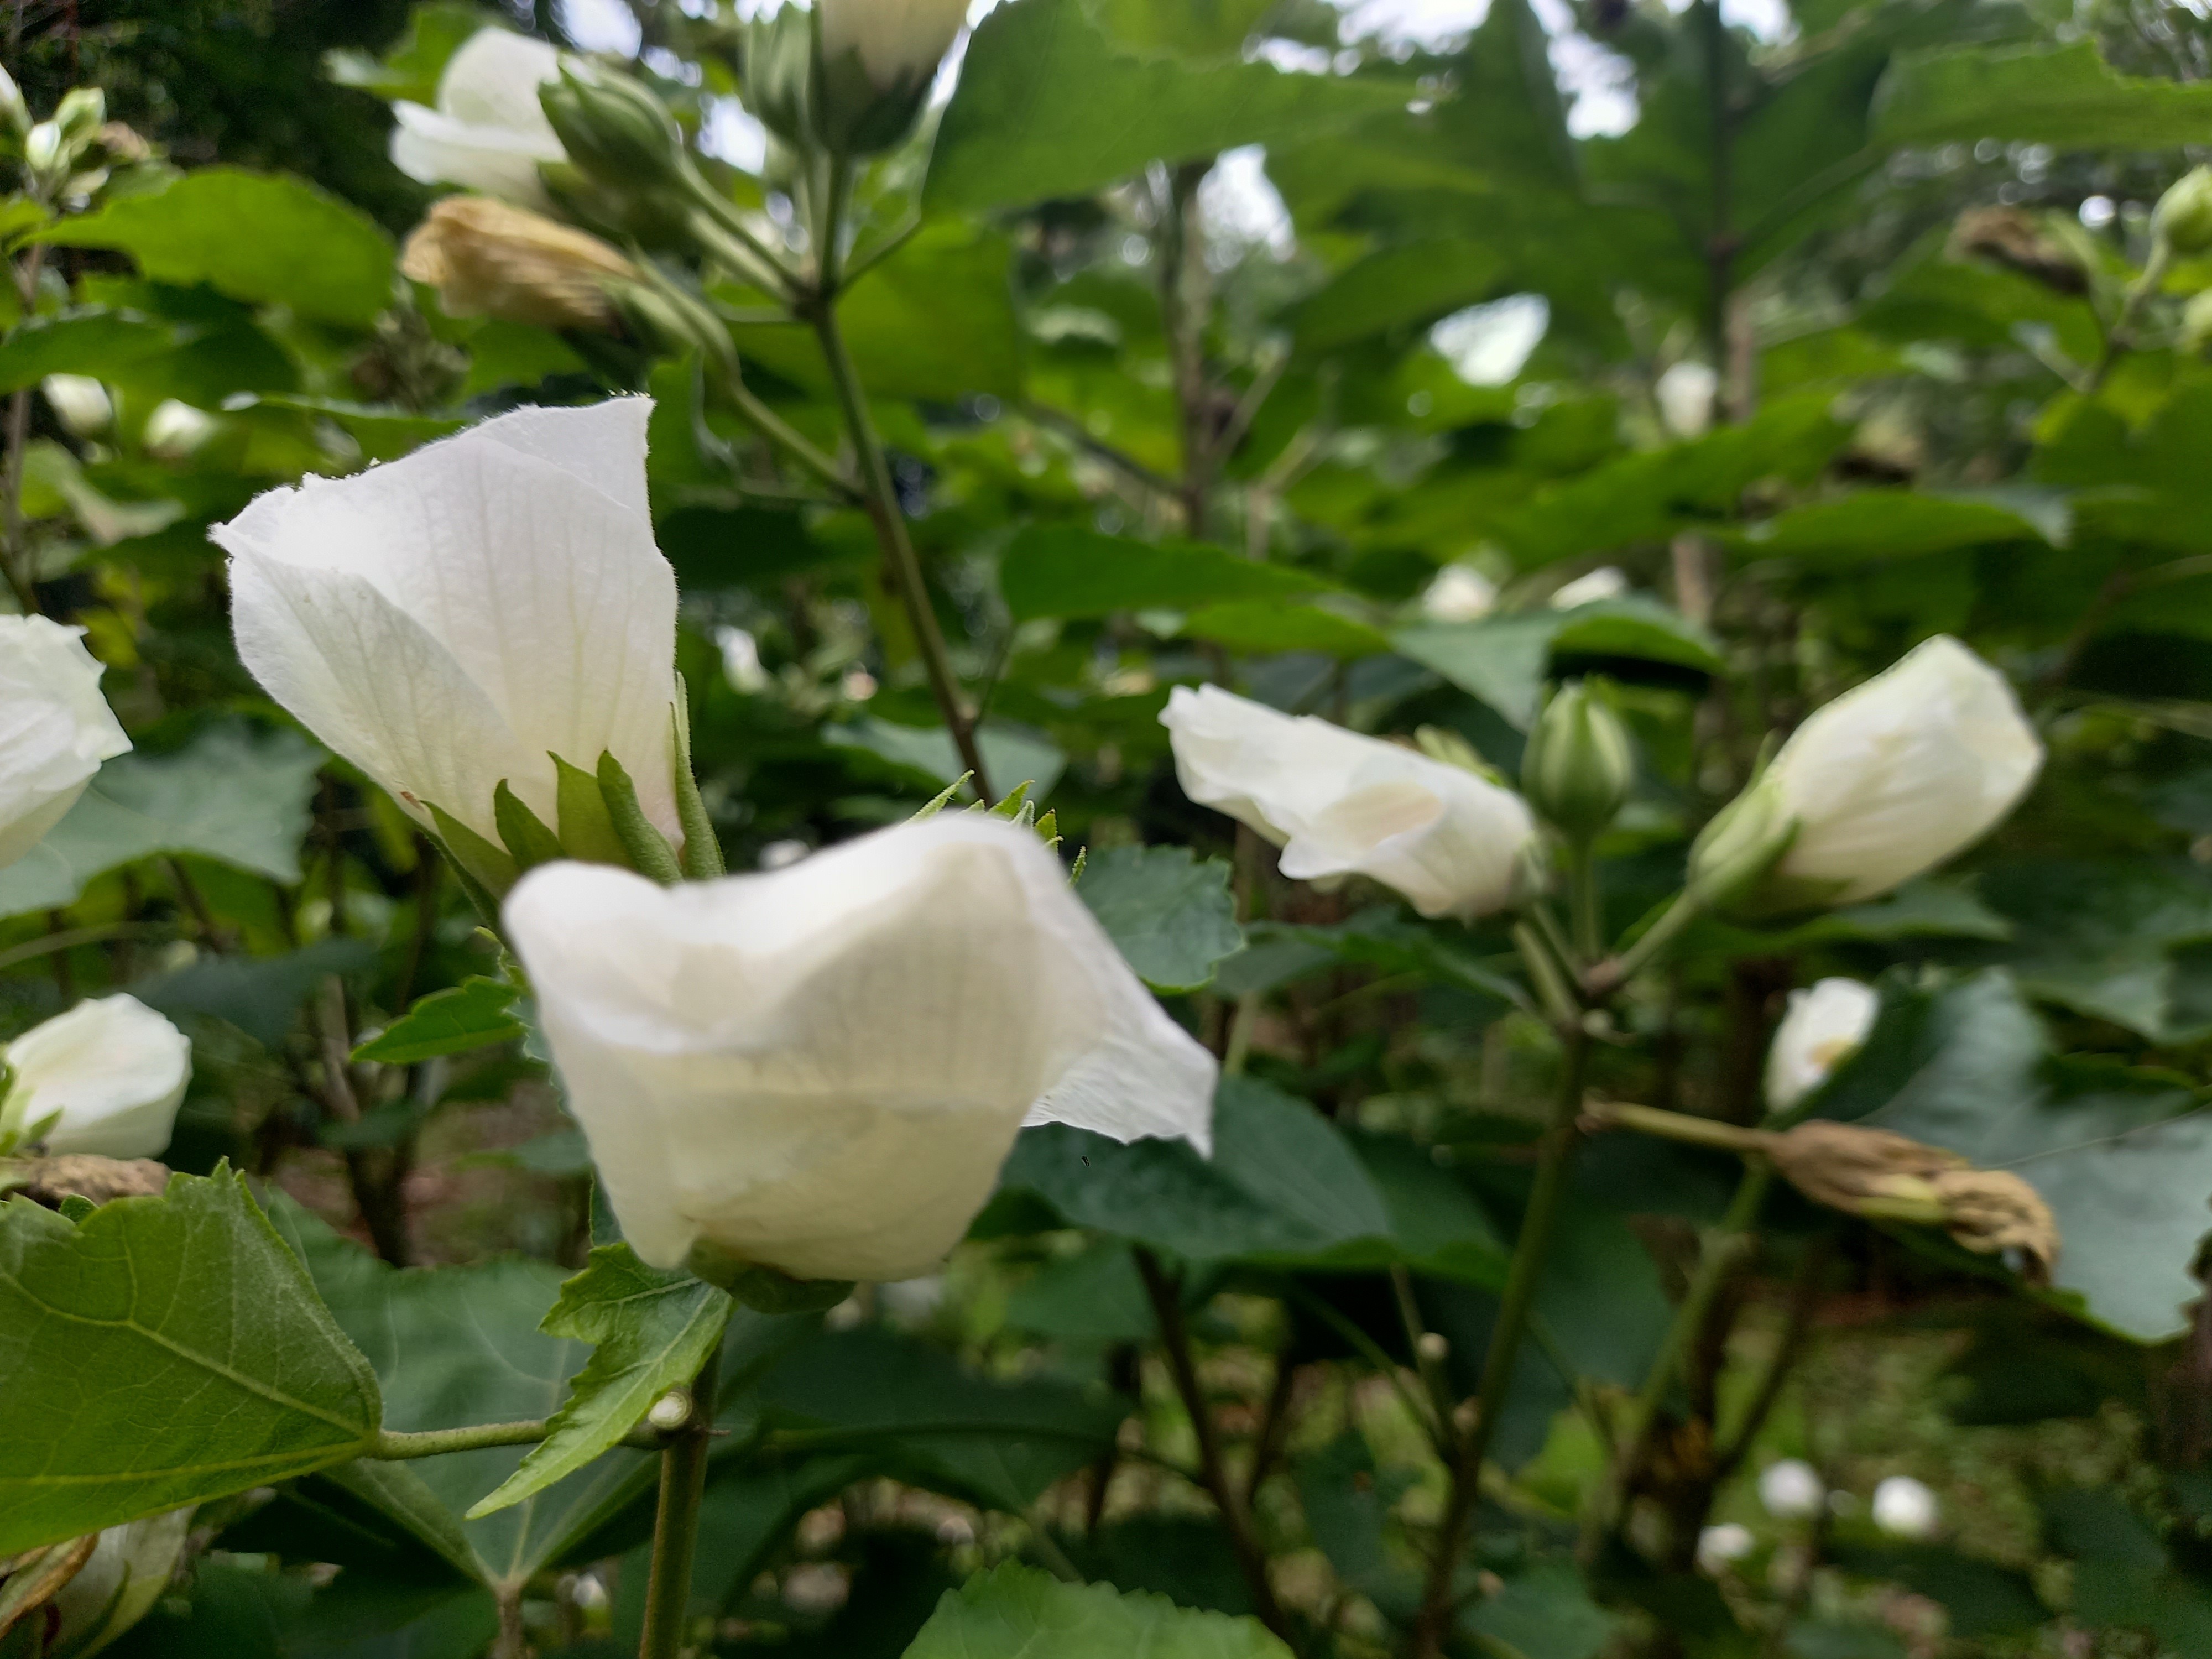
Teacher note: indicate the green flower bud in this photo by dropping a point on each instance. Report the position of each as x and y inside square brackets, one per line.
[2196, 323]
[2182, 222]
[14, 111]
[1734, 855]
[779, 73]
[876, 60]
[80, 116]
[615, 128]
[667, 317]
[1578, 768]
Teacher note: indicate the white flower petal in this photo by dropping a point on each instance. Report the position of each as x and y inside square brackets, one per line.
[898, 40]
[489, 132]
[452, 619]
[1824, 1027]
[114, 1069]
[822, 1069]
[1339, 803]
[55, 728]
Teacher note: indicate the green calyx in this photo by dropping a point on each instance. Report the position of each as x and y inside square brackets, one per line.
[2182, 222]
[1579, 766]
[1732, 862]
[613, 128]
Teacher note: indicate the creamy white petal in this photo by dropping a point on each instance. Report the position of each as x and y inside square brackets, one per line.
[1339, 803]
[898, 39]
[493, 81]
[1897, 775]
[1824, 1027]
[822, 1069]
[453, 619]
[489, 132]
[114, 1069]
[55, 728]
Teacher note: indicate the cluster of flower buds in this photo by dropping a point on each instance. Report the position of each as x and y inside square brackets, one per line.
[70, 154]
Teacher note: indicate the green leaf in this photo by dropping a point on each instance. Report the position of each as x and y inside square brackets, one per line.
[1546, 1609]
[586, 831]
[1061, 570]
[1013, 755]
[412, 69]
[236, 795]
[1019, 1613]
[2067, 96]
[266, 238]
[470, 1015]
[93, 341]
[651, 1330]
[527, 839]
[1257, 627]
[1047, 107]
[1849, 532]
[1172, 917]
[1983, 1597]
[1415, 283]
[164, 1351]
[1504, 660]
[261, 995]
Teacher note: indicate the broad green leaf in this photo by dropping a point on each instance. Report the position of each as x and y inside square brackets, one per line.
[163, 1351]
[1172, 915]
[1060, 570]
[1094, 1297]
[2119, 939]
[266, 238]
[1504, 660]
[97, 342]
[410, 69]
[1546, 1609]
[919, 1415]
[1047, 107]
[235, 795]
[1415, 283]
[1019, 1613]
[2123, 1157]
[261, 995]
[1849, 531]
[2067, 96]
[1255, 627]
[651, 1330]
[470, 1015]
[1012, 755]
[1983, 1597]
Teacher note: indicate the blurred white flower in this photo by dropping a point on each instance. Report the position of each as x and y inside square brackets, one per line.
[175, 431]
[55, 728]
[821, 1070]
[1893, 777]
[130, 1568]
[1904, 1508]
[488, 132]
[912, 1301]
[1823, 1028]
[1686, 393]
[1717, 1547]
[454, 619]
[105, 1078]
[1606, 582]
[782, 855]
[741, 661]
[1460, 593]
[80, 403]
[1339, 804]
[900, 42]
[1792, 1489]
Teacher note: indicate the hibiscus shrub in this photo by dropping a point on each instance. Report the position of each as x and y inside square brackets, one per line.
[1229, 829]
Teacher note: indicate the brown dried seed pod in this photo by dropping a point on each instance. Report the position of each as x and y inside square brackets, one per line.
[48, 1181]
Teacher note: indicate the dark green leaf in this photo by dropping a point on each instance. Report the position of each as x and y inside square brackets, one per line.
[99, 342]
[470, 1015]
[2067, 96]
[1019, 1613]
[1060, 570]
[261, 995]
[1172, 915]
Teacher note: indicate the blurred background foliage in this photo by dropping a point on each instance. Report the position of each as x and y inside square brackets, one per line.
[1727, 353]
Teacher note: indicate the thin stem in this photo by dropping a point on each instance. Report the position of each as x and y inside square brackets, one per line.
[1183, 315]
[1561, 1135]
[13, 557]
[675, 1527]
[393, 1446]
[785, 436]
[1724, 1248]
[1166, 1296]
[1429, 1363]
[72, 938]
[1609, 976]
[1545, 973]
[723, 229]
[1673, 1126]
[1804, 1295]
[880, 496]
[1419, 1409]
[1586, 902]
[2120, 338]
[883, 251]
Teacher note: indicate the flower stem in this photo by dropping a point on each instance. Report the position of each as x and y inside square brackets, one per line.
[1609, 976]
[676, 1526]
[1433, 1625]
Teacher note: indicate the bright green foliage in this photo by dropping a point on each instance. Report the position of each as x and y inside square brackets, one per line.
[1171, 914]
[1019, 1613]
[650, 1332]
[1067, 572]
[163, 1351]
[471, 1015]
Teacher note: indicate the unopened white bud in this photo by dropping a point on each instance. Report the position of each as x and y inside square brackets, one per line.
[671, 1412]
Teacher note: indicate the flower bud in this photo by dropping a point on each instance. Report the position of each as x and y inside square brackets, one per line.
[1885, 782]
[488, 132]
[46, 155]
[1904, 1507]
[819, 1071]
[1579, 767]
[106, 1078]
[779, 73]
[1686, 395]
[615, 128]
[80, 116]
[451, 620]
[129, 1569]
[1459, 594]
[175, 431]
[1824, 1027]
[2181, 223]
[15, 111]
[669, 318]
[59, 728]
[488, 259]
[80, 403]
[878, 60]
[2196, 322]
[1339, 805]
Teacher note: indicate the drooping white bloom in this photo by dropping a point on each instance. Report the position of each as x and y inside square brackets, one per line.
[1792, 1489]
[1606, 582]
[111, 1070]
[1460, 593]
[1685, 395]
[1896, 776]
[1718, 1547]
[80, 403]
[488, 132]
[55, 728]
[820, 1070]
[1904, 1508]
[1339, 804]
[455, 618]
[899, 41]
[1823, 1028]
[130, 1568]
